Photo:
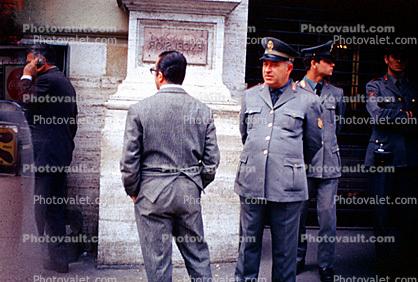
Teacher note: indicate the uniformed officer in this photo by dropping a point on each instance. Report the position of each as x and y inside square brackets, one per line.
[281, 131]
[325, 169]
[392, 105]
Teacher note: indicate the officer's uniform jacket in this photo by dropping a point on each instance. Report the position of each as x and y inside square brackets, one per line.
[386, 101]
[278, 140]
[327, 162]
[168, 135]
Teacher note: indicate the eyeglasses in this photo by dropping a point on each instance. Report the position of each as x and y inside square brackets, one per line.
[153, 71]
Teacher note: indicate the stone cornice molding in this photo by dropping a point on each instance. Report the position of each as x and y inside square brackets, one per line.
[200, 7]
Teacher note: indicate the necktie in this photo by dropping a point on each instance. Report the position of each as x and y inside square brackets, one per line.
[275, 93]
[318, 89]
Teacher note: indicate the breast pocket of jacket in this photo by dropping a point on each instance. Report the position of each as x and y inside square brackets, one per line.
[329, 111]
[253, 117]
[291, 120]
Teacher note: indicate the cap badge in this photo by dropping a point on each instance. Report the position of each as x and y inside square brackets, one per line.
[270, 45]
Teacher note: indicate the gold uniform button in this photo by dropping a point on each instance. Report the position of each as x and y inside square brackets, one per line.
[270, 124]
[399, 99]
[265, 152]
[413, 100]
[268, 138]
[377, 141]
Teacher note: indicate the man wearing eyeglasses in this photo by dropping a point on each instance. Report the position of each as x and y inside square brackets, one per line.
[170, 155]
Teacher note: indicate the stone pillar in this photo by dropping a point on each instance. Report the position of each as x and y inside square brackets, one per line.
[198, 29]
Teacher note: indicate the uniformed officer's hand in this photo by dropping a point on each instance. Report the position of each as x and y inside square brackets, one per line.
[30, 68]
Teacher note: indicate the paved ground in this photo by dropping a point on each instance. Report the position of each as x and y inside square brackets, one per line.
[354, 260]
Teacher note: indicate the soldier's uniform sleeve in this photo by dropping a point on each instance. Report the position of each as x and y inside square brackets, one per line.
[243, 120]
[372, 105]
[130, 164]
[312, 133]
[211, 155]
[340, 110]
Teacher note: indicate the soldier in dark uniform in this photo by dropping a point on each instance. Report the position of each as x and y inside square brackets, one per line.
[325, 169]
[393, 143]
[281, 131]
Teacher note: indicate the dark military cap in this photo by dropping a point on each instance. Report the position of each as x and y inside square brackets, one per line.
[398, 52]
[319, 52]
[276, 50]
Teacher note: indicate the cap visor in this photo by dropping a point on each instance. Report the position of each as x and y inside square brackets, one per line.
[273, 58]
[326, 58]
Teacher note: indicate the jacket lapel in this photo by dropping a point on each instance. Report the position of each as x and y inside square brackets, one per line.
[391, 86]
[286, 96]
[326, 91]
[265, 95]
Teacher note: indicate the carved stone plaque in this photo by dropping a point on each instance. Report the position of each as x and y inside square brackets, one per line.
[193, 43]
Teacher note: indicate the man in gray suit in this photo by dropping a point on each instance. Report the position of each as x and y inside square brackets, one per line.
[281, 131]
[325, 169]
[170, 155]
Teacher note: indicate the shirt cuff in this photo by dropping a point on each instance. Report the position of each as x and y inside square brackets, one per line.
[25, 76]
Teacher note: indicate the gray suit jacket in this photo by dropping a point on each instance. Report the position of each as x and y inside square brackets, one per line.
[327, 161]
[167, 135]
[278, 140]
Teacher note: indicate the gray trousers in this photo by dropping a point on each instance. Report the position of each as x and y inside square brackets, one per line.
[284, 220]
[324, 190]
[175, 214]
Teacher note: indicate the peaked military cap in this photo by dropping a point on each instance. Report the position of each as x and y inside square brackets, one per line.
[276, 50]
[398, 52]
[319, 52]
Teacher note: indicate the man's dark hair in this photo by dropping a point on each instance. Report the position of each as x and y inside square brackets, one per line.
[172, 64]
[45, 50]
[307, 62]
